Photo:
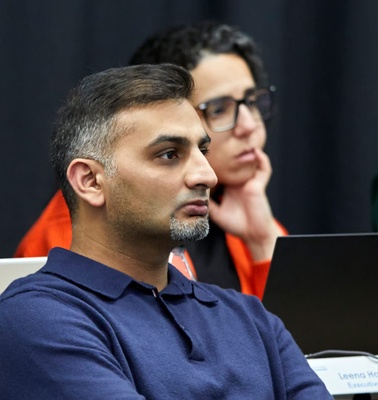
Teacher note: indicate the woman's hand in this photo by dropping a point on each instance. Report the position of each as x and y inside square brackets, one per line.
[245, 211]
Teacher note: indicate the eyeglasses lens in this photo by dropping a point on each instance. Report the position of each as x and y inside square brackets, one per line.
[264, 104]
[221, 113]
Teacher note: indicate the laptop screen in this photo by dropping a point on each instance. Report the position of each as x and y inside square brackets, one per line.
[323, 287]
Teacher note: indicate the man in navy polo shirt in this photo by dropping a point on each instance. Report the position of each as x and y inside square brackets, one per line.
[110, 318]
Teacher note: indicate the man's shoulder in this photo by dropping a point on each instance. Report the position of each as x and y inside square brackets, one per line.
[31, 289]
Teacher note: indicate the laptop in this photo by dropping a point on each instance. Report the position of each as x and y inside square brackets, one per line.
[324, 288]
[13, 268]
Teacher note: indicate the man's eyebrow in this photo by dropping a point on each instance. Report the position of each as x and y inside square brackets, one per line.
[181, 140]
[205, 139]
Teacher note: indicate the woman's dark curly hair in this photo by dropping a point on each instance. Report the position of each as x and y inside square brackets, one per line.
[186, 45]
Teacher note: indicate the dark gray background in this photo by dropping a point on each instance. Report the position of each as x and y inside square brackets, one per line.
[320, 54]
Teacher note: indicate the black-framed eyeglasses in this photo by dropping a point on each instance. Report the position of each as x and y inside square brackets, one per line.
[221, 113]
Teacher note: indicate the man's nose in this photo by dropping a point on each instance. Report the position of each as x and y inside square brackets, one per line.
[200, 173]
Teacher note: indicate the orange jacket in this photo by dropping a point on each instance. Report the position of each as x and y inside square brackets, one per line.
[53, 228]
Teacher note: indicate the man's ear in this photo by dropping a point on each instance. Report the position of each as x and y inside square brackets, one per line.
[86, 178]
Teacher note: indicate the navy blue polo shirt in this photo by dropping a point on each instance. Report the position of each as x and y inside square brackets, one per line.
[78, 329]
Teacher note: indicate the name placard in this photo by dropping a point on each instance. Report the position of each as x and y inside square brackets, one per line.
[347, 375]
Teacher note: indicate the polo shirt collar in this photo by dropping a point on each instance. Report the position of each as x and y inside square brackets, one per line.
[110, 282]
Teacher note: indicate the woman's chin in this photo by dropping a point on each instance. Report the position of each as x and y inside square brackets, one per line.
[237, 178]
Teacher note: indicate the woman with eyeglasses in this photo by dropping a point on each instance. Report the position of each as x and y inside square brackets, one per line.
[234, 101]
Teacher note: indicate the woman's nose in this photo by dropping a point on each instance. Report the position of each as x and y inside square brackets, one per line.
[248, 121]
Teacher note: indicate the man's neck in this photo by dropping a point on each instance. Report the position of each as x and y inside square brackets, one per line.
[144, 263]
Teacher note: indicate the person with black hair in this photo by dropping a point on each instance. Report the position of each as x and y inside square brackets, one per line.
[234, 101]
[111, 318]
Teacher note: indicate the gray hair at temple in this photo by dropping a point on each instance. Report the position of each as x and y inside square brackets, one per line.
[86, 124]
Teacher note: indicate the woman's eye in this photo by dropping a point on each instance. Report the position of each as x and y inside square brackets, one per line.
[216, 110]
[250, 101]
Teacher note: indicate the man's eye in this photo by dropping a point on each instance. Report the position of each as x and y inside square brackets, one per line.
[169, 155]
[205, 151]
